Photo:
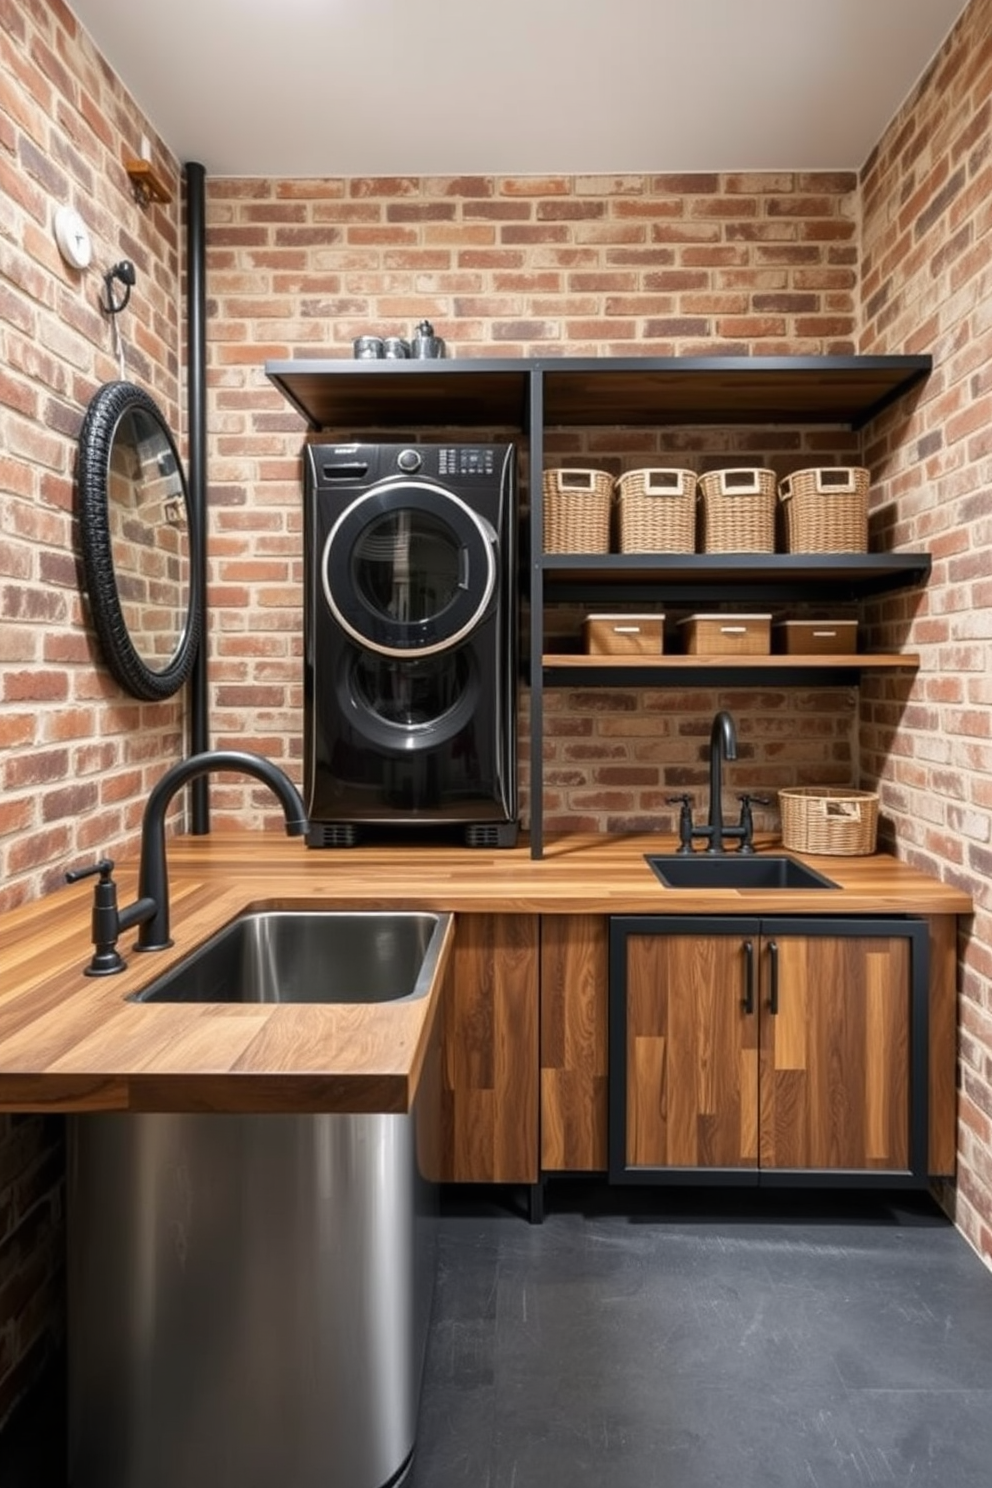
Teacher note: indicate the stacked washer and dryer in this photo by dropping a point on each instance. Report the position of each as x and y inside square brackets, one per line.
[410, 642]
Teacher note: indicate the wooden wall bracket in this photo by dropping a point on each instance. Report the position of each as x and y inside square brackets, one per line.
[147, 184]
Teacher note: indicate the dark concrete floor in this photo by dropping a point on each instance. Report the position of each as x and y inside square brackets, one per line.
[648, 1338]
[641, 1338]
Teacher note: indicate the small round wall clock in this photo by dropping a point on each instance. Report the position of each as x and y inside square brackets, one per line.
[73, 238]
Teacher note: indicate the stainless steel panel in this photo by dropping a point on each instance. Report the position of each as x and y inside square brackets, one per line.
[248, 1300]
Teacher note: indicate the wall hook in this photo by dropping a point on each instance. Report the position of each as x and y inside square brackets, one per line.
[125, 273]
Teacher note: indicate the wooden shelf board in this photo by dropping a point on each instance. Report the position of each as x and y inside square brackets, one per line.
[854, 661]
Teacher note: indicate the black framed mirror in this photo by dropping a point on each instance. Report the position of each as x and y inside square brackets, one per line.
[139, 542]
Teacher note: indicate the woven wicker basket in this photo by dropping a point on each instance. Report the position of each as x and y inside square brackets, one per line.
[826, 509]
[825, 819]
[657, 511]
[738, 511]
[577, 507]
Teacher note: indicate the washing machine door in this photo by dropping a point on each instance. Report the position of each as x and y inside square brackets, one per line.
[408, 569]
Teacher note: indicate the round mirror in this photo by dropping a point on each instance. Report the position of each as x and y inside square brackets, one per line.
[138, 542]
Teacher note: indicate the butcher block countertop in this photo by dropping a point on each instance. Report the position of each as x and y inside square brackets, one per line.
[69, 1042]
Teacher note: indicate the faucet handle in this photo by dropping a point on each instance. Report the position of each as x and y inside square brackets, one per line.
[103, 866]
[106, 959]
[685, 820]
[747, 821]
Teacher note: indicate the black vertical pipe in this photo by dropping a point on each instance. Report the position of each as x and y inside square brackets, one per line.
[196, 362]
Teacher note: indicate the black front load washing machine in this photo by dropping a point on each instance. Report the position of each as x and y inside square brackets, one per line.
[410, 717]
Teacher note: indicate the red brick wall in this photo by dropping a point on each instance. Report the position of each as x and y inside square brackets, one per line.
[593, 265]
[512, 267]
[926, 266]
[76, 755]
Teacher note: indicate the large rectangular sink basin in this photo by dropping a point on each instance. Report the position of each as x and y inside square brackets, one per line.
[309, 956]
[734, 871]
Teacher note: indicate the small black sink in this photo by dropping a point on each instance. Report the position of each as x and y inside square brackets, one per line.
[734, 871]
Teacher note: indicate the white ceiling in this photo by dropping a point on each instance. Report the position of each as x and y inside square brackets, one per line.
[520, 87]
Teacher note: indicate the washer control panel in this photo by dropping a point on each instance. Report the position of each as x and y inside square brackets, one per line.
[466, 459]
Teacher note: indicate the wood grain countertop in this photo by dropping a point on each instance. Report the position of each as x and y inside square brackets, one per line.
[69, 1042]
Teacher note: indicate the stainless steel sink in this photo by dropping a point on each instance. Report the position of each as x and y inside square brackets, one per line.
[316, 956]
[734, 871]
[250, 1293]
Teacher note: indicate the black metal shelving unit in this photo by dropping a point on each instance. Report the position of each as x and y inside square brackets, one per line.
[361, 398]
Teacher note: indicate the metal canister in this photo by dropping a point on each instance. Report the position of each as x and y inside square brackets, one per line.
[395, 347]
[368, 347]
[425, 343]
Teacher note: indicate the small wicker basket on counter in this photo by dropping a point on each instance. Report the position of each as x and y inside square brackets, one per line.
[826, 509]
[657, 511]
[738, 510]
[577, 507]
[829, 819]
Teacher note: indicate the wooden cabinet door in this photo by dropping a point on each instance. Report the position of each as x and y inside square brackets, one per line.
[490, 1051]
[777, 1045]
[691, 1051]
[574, 1073]
[835, 1052]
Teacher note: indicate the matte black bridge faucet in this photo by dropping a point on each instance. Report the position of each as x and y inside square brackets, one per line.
[723, 746]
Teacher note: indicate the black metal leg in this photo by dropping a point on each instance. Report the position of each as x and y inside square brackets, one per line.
[535, 1202]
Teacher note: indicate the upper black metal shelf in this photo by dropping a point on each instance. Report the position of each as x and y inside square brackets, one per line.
[410, 395]
[342, 393]
[732, 576]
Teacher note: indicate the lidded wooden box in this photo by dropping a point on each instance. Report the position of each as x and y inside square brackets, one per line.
[624, 635]
[726, 635]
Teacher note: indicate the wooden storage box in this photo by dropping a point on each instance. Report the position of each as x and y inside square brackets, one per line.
[726, 635]
[816, 637]
[624, 635]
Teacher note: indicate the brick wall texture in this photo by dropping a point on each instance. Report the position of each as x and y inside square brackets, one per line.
[891, 259]
[76, 756]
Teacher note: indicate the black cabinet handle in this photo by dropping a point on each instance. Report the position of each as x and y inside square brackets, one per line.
[749, 976]
[773, 976]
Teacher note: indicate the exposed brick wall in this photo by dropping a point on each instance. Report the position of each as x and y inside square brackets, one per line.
[927, 280]
[606, 266]
[76, 755]
[734, 263]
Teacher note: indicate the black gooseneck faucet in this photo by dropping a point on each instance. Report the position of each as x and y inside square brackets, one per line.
[723, 746]
[150, 911]
[153, 882]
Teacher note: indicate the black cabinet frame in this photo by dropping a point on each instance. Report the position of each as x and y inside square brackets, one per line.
[825, 926]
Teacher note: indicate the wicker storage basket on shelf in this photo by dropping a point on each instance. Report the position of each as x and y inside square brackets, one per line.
[738, 511]
[828, 819]
[657, 511]
[577, 507]
[826, 509]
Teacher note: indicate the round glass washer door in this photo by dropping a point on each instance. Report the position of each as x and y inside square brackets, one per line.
[408, 706]
[408, 569]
